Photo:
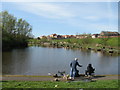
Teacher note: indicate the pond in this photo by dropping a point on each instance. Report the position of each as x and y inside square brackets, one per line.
[36, 60]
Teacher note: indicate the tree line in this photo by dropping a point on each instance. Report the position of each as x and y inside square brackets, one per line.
[15, 32]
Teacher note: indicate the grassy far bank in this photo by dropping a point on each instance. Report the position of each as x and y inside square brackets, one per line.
[111, 42]
[105, 45]
[51, 84]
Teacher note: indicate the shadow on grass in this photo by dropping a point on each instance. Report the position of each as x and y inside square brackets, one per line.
[99, 76]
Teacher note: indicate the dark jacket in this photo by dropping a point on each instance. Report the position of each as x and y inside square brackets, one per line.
[74, 64]
[90, 68]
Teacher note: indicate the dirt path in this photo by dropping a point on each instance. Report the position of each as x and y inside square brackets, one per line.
[26, 78]
[50, 78]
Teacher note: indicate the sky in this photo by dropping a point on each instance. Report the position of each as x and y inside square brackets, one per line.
[66, 18]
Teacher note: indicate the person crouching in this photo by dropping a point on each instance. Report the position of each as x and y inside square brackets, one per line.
[90, 70]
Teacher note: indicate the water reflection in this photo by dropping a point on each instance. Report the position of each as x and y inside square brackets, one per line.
[36, 60]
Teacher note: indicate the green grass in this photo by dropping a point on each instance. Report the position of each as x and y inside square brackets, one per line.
[61, 84]
[112, 42]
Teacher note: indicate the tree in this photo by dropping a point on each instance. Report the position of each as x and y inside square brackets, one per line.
[23, 27]
[15, 33]
[8, 22]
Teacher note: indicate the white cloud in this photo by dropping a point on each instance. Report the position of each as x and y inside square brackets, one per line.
[89, 16]
[93, 12]
[46, 10]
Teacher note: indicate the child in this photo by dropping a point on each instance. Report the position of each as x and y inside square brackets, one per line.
[89, 70]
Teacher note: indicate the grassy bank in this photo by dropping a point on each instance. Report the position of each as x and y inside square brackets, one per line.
[101, 42]
[51, 84]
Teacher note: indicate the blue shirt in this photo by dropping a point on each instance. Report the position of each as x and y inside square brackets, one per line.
[74, 64]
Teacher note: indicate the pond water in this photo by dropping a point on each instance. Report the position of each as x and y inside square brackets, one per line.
[36, 60]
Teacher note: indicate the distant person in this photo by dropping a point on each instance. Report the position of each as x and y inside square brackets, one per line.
[73, 66]
[89, 70]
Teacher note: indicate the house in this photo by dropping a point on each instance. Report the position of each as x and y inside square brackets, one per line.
[66, 36]
[43, 37]
[95, 35]
[81, 36]
[53, 35]
[59, 37]
[48, 37]
[72, 36]
[108, 33]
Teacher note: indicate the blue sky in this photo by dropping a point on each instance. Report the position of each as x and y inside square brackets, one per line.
[66, 17]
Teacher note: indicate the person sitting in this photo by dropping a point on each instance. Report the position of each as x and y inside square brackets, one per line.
[90, 70]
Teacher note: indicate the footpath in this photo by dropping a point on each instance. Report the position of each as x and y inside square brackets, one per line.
[51, 78]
